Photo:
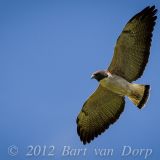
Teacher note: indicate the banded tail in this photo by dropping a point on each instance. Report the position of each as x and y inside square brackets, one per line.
[140, 95]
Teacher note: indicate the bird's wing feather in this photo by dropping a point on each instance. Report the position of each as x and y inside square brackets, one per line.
[101, 109]
[133, 45]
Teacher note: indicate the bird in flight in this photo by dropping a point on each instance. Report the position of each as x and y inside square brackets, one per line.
[130, 57]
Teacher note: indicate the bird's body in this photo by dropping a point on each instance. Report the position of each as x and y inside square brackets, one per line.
[122, 87]
[130, 57]
[117, 85]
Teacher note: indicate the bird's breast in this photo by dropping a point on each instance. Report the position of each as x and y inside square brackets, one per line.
[116, 84]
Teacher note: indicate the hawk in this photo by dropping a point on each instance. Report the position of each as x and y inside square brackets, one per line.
[130, 57]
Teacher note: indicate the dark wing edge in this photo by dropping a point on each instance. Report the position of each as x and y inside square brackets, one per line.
[133, 45]
[101, 110]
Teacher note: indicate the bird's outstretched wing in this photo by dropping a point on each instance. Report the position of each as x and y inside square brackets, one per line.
[101, 109]
[133, 45]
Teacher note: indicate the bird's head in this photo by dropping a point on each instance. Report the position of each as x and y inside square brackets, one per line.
[99, 75]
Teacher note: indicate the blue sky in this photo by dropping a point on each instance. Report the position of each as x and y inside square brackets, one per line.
[48, 51]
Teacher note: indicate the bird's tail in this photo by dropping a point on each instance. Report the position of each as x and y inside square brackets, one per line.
[140, 95]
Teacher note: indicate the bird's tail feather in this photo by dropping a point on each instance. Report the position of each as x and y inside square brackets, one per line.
[140, 95]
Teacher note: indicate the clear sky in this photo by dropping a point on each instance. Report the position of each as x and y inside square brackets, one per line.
[48, 50]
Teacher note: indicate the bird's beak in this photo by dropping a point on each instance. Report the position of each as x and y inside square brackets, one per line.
[92, 76]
